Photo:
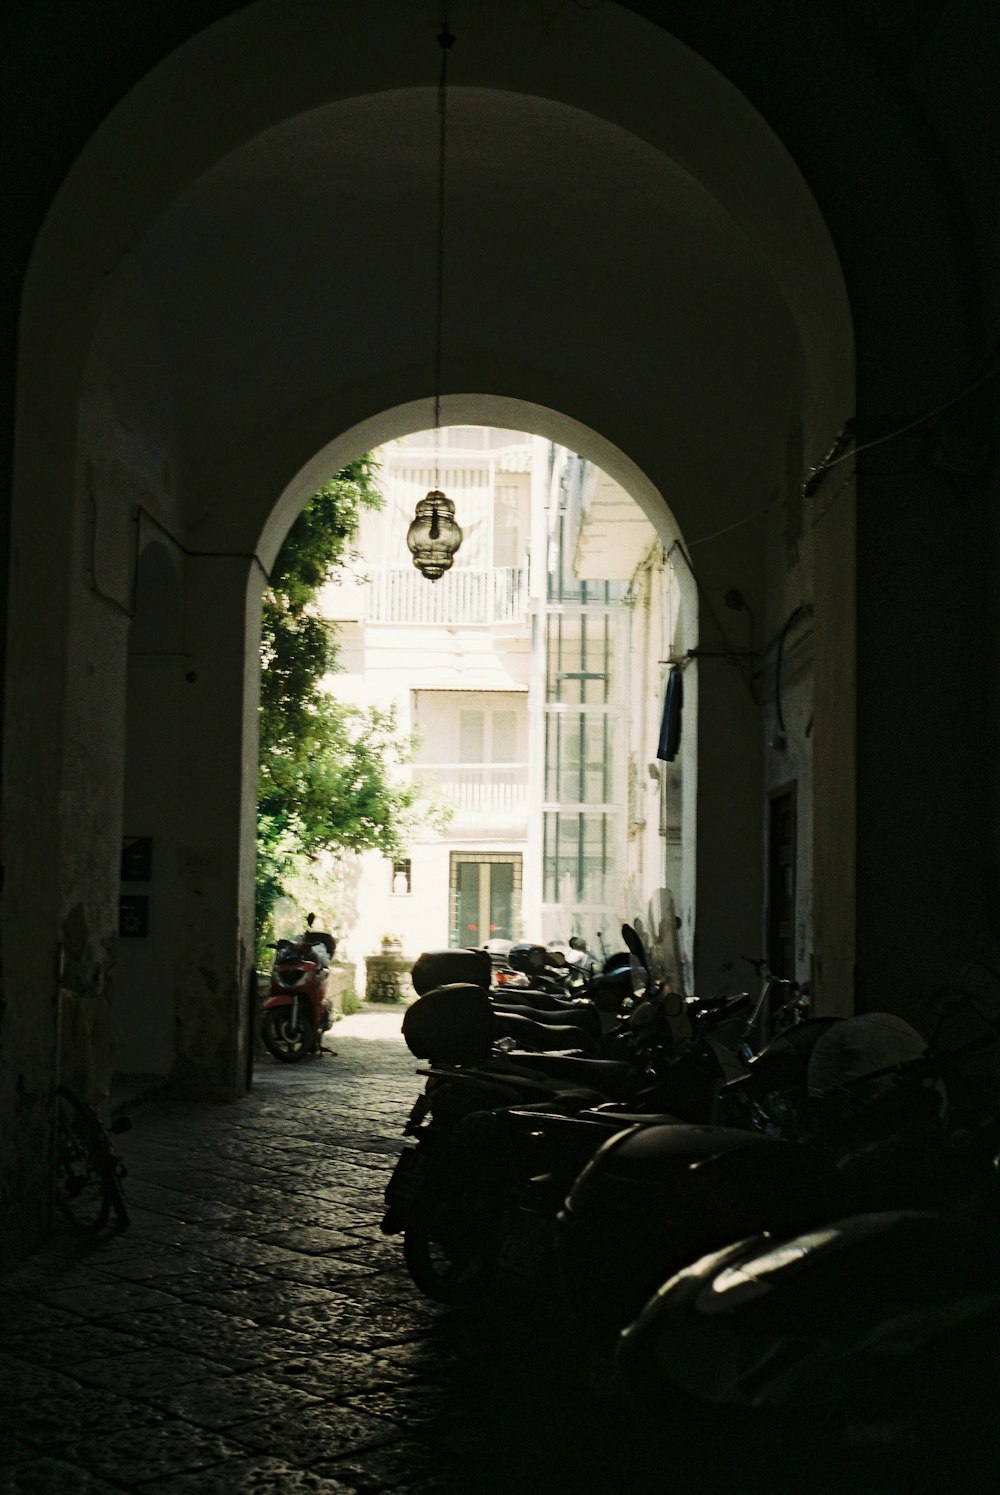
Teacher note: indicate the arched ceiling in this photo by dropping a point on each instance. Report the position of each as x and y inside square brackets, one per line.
[501, 411]
[241, 264]
[584, 270]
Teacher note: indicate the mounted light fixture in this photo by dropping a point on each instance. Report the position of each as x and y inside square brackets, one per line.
[434, 535]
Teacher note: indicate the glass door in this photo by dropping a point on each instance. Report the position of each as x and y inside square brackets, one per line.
[485, 897]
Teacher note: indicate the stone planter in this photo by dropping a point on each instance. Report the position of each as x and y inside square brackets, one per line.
[387, 977]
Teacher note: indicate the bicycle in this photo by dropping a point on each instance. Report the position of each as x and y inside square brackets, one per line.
[772, 1046]
[88, 1170]
[768, 1020]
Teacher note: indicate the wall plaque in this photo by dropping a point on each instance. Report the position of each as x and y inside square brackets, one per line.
[133, 916]
[137, 858]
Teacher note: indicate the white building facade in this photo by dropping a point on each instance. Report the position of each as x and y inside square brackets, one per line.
[518, 673]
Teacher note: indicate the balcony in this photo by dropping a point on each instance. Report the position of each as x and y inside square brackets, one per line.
[489, 799]
[459, 598]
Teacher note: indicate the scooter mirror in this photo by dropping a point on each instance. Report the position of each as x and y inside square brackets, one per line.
[634, 946]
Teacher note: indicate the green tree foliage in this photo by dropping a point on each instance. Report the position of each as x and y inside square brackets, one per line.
[328, 777]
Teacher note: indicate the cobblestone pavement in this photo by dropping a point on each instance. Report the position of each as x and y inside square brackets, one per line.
[253, 1330]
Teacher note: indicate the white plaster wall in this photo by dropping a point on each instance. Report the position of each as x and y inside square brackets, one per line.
[446, 659]
[428, 673]
[421, 919]
[662, 871]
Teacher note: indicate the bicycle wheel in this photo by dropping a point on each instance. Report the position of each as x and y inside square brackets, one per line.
[84, 1166]
[115, 1174]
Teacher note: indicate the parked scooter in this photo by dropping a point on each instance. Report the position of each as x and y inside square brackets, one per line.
[887, 1317]
[502, 973]
[499, 1137]
[527, 1016]
[298, 1010]
[657, 1197]
[547, 969]
[451, 1224]
[570, 970]
[659, 1194]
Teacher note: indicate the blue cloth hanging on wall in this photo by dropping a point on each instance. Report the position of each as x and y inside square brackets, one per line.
[670, 723]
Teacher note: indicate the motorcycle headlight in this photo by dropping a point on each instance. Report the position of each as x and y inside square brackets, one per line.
[291, 978]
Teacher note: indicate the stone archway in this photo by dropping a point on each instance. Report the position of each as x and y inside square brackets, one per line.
[513, 415]
[660, 275]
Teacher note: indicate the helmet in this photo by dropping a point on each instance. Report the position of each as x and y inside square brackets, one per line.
[529, 958]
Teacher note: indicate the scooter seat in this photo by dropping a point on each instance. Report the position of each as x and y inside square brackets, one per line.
[608, 1076]
[541, 1037]
[583, 1016]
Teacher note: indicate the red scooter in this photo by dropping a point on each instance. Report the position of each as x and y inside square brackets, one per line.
[298, 1010]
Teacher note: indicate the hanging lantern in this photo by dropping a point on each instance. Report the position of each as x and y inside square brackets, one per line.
[433, 537]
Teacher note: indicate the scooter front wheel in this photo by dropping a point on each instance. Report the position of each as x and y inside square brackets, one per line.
[287, 1035]
[448, 1260]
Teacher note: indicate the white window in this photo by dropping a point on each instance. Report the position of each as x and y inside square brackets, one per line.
[487, 736]
[504, 737]
[471, 736]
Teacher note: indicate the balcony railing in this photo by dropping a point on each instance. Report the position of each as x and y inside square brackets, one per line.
[498, 595]
[483, 795]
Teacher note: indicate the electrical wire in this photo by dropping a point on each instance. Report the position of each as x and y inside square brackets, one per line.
[737, 524]
[837, 455]
[445, 40]
[991, 371]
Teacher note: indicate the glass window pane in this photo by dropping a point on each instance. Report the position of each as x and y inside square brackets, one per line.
[505, 737]
[501, 900]
[470, 736]
[580, 861]
[466, 931]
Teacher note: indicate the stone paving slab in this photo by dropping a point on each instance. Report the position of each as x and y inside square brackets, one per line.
[254, 1332]
[214, 1346]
